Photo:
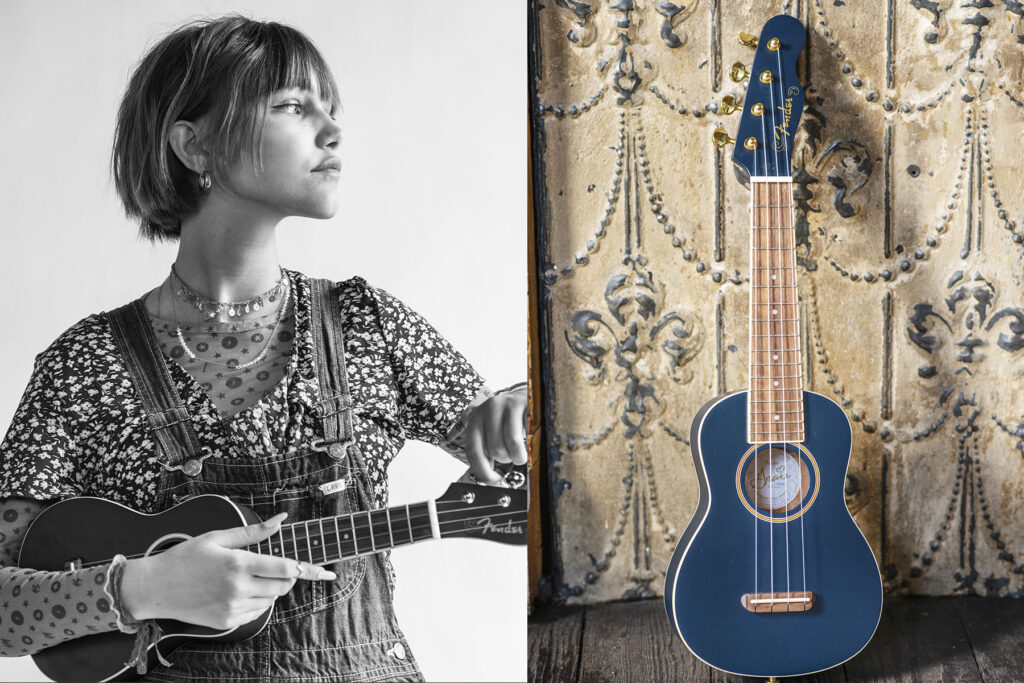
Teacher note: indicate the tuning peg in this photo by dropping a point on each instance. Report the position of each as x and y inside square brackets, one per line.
[738, 73]
[721, 138]
[729, 105]
[747, 39]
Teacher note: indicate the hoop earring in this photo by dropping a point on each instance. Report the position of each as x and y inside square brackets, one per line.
[204, 180]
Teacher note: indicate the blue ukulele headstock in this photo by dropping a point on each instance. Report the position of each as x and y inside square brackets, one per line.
[773, 102]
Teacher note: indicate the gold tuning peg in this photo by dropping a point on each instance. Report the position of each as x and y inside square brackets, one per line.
[729, 105]
[721, 138]
[738, 73]
[747, 39]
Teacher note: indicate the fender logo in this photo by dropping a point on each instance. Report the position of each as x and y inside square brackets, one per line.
[782, 130]
[485, 526]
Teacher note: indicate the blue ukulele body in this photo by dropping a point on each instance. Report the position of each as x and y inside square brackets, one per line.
[794, 538]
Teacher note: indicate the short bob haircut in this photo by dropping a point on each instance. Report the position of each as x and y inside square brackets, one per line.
[224, 69]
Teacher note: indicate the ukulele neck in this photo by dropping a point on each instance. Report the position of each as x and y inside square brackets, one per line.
[775, 400]
[331, 539]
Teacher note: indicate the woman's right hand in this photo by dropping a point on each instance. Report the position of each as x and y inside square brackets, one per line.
[209, 581]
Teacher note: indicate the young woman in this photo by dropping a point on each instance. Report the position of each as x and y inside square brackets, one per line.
[286, 393]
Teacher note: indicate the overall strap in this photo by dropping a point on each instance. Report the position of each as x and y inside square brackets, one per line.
[167, 418]
[335, 406]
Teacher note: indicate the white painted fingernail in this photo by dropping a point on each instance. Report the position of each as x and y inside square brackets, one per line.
[327, 575]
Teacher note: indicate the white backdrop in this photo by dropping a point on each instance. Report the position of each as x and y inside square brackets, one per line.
[433, 210]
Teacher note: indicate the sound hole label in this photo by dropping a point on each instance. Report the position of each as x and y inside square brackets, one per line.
[777, 483]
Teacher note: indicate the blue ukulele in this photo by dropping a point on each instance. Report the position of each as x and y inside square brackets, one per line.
[772, 577]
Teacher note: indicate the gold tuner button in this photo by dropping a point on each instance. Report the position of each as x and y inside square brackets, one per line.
[750, 143]
[757, 109]
[766, 76]
[729, 105]
[773, 44]
[721, 138]
[738, 72]
[747, 39]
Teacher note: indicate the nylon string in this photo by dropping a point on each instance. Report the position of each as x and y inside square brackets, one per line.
[796, 316]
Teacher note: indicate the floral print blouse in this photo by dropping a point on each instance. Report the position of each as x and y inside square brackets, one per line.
[80, 429]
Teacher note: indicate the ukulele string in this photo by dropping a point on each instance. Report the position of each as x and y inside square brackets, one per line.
[420, 523]
[771, 512]
[792, 263]
[777, 228]
[753, 368]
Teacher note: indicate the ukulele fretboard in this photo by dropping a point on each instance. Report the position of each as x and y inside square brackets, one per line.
[775, 411]
[330, 539]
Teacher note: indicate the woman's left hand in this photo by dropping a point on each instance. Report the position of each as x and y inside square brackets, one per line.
[496, 432]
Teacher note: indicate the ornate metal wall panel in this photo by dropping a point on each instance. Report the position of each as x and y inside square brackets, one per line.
[910, 225]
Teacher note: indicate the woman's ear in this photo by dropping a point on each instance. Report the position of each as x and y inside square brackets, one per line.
[184, 139]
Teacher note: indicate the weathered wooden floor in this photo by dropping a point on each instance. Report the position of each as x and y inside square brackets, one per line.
[919, 639]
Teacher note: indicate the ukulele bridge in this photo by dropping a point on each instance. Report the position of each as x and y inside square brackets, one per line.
[795, 601]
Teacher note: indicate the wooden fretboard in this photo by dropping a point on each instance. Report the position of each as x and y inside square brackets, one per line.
[775, 401]
[330, 539]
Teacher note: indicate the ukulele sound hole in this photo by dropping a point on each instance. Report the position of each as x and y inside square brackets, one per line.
[776, 480]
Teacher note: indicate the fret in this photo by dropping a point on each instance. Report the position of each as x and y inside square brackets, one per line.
[408, 520]
[772, 248]
[295, 543]
[321, 540]
[309, 548]
[355, 544]
[391, 536]
[775, 320]
[337, 537]
[776, 401]
[369, 522]
[781, 377]
[773, 364]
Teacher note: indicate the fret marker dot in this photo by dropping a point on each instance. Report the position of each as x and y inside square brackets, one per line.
[316, 542]
[776, 417]
[776, 356]
[776, 382]
[774, 312]
[346, 537]
[773, 276]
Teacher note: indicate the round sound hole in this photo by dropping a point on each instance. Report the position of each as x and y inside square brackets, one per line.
[776, 480]
[777, 483]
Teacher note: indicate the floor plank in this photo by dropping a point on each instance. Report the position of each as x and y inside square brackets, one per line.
[554, 639]
[918, 640]
[995, 628]
[632, 641]
[833, 675]
[954, 640]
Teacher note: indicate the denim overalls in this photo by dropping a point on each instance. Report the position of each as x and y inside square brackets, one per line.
[343, 630]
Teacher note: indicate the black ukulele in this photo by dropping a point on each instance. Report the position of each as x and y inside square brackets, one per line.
[75, 533]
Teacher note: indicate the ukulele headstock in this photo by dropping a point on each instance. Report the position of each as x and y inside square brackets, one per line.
[773, 102]
[494, 513]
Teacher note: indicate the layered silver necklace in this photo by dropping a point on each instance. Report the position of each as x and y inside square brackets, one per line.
[235, 308]
[211, 309]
